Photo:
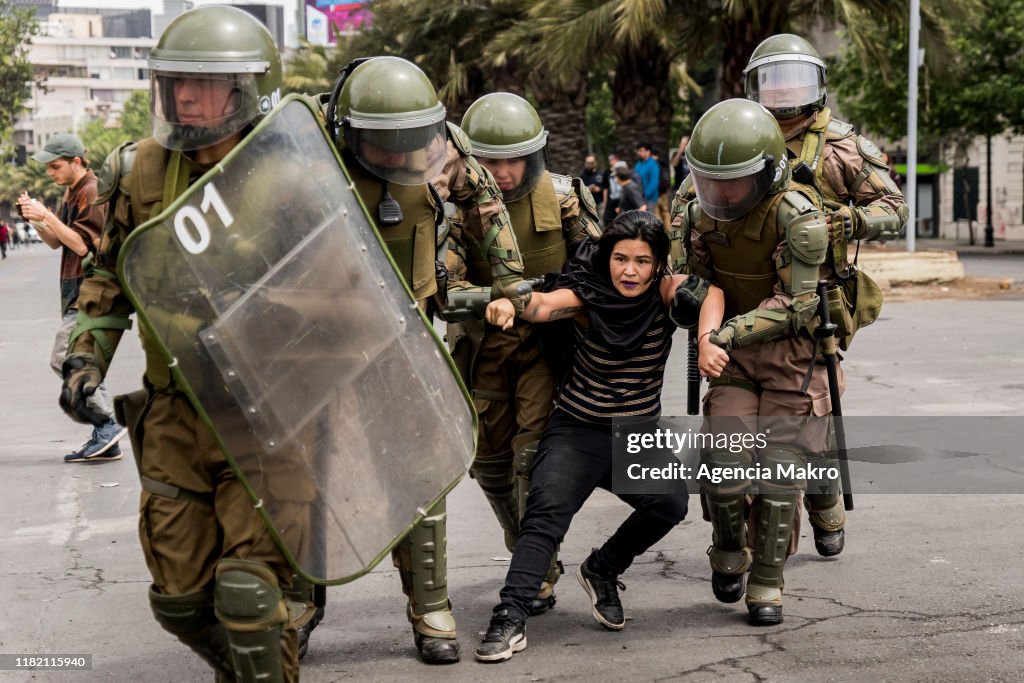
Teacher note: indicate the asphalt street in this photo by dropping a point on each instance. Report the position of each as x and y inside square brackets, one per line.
[930, 587]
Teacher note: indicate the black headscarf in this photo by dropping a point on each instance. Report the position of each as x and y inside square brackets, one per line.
[617, 322]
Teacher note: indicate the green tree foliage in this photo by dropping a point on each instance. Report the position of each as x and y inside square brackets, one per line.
[313, 68]
[600, 120]
[454, 42]
[30, 178]
[978, 92]
[17, 26]
[640, 41]
[99, 138]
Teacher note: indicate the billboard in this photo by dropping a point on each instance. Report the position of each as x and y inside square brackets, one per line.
[344, 17]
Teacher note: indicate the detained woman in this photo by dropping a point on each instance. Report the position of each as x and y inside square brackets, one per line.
[625, 305]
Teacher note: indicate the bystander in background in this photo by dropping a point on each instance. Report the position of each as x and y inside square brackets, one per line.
[75, 229]
[596, 181]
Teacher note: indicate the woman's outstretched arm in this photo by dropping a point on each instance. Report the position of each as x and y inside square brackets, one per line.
[543, 307]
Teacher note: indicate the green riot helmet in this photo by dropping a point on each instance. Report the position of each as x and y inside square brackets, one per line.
[786, 75]
[509, 139]
[386, 112]
[737, 156]
[214, 71]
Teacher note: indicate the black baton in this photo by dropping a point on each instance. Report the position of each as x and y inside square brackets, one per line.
[692, 376]
[826, 336]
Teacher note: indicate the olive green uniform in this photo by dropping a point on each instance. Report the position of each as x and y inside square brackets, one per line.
[512, 382]
[767, 256]
[421, 557]
[848, 170]
[197, 526]
[749, 259]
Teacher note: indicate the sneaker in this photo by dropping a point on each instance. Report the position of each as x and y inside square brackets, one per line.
[77, 454]
[505, 636]
[111, 453]
[604, 596]
[104, 441]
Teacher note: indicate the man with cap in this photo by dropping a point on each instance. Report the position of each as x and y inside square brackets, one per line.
[75, 230]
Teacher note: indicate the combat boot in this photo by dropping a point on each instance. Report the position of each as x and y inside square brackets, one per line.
[423, 568]
[827, 521]
[434, 634]
[764, 605]
[545, 599]
[728, 568]
[305, 608]
[828, 543]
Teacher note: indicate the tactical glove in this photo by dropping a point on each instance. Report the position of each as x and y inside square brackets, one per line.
[724, 337]
[766, 324]
[82, 377]
[515, 288]
[843, 224]
[685, 308]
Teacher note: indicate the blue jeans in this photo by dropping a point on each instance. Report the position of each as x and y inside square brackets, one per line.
[573, 459]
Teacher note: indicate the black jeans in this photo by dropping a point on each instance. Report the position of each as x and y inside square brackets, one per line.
[573, 459]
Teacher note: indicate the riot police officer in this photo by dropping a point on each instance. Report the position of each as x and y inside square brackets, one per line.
[763, 242]
[849, 172]
[218, 576]
[511, 380]
[412, 170]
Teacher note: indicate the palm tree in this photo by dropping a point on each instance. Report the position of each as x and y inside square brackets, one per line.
[455, 43]
[313, 68]
[448, 40]
[640, 40]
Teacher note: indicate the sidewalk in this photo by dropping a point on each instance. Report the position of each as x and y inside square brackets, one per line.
[961, 246]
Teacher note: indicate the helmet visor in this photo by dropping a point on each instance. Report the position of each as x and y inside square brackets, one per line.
[516, 177]
[786, 87]
[731, 198]
[192, 111]
[405, 156]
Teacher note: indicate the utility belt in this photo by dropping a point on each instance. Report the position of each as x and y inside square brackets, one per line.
[130, 410]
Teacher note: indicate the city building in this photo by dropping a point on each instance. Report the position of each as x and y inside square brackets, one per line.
[90, 55]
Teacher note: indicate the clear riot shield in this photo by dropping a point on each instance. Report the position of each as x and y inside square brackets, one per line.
[285, 321]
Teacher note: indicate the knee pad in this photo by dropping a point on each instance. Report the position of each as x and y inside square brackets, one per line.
[248, 601]
[493, 474]
[786, 464]
[731, 468]
[183, 614]
[191, 618]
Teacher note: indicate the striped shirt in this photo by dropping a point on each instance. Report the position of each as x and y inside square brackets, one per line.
[606, 383]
